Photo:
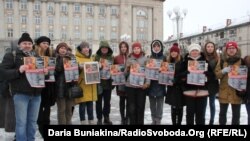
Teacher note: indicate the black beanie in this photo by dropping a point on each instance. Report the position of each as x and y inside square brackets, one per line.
[42, 39]
[25, 37]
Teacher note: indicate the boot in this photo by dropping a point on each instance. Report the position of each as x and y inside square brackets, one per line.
[179, 116]
[173, 115]
[157, 121]
[91, 122]
[107, 121]
[153, 121]
[84, 122]
[99, 122]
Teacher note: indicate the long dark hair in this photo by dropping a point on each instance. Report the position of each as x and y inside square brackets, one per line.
[214, 54]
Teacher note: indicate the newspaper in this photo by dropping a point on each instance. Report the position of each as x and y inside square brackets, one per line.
[50, 63]
[91, 72]
[117, 74]
[35, 73]
[237, 77]
[71, 71]
[105, 71]
[137, 75]
[196, 75]
[152, 69]
[166, 75]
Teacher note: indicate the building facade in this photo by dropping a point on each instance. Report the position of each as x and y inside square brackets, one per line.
[73, 21]
[239, 32]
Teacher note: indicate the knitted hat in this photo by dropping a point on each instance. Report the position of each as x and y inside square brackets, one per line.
[136, 44]
[175, 48]
[25, 37]
[104, 44]
[231, 44]
[61, 45]
[43, 39]
[194, 47]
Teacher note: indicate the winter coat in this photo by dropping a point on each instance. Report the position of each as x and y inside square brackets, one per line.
[62, 88]
[190, 87]
[212, 82]
[156, 89]
[121, 60]
[9, 70]
[247, 100]
[227, 94]
[174, 96]
[89, 90]
[105, 84]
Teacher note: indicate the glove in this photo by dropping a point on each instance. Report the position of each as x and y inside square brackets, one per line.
[226, 70]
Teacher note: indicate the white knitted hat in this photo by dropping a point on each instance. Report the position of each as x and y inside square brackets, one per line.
[194, 47]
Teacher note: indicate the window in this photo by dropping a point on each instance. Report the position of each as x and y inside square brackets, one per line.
[9, 4]
[10, 33]
[90, 9]
[50, 7]
[51, 34]
[64, 7]
[77, 7]
[37, 6]
[140, 36]
[37, 33]
[102, 10]
[221, 34]
[50, 20]
[23, 4]
[90, 22]
[77, 34]
[64, 20]
[77, 21]
[101, 35]
[64, 34]
[141, 24]
[24, 19]
[89, 35]
[10, 19]
[102, 22]
[113, 36]
[114, 23]
[37, 20]
[113, 10]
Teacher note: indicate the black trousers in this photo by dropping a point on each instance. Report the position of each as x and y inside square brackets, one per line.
[123, 103]
[196, 110]
[105, 110]
[235, 111]
[136, 105]
[43, 118]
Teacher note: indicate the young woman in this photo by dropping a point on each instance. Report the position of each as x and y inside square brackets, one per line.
[175, 96]
[136, 95]
[227, 94]
[83, 54]
[120, 89]
[156, 91]
[212, 83]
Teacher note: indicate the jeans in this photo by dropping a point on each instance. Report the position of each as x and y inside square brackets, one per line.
[26, 110]
[156, 107]
[86, 105]
[212, 98]
[248, 112]
[105, 110]
[235, 111]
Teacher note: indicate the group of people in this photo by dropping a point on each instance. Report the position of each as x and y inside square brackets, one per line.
[32, 105]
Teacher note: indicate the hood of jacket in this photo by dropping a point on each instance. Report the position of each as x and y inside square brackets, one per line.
[159, 54]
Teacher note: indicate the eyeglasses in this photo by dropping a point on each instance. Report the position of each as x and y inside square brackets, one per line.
[231, 48]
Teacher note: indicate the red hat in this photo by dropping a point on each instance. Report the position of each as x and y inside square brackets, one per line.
[175, 48]
[136, 44]
[231, 43]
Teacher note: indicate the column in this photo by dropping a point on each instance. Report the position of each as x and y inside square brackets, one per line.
[108, 24]
[44, 24]
[16, 20]
[57, 25]
[134, 27]
[96, 21]
[83, 23]
[71, 26]
[151, 25]
[30, 21]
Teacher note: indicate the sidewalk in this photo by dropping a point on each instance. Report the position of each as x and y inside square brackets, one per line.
[115, 117]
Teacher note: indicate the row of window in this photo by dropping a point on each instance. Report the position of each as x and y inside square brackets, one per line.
[64, 34]
[63, 7]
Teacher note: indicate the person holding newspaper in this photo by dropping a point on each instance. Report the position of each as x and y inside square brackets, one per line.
[156, 91]
[213, 83]
[195, 88]
[247, 98]
[120, 89]
[26, 98]
[174, 95]
[48, 95]
[64, 104]
[136, 94]
[83, 54]
[227, 94]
